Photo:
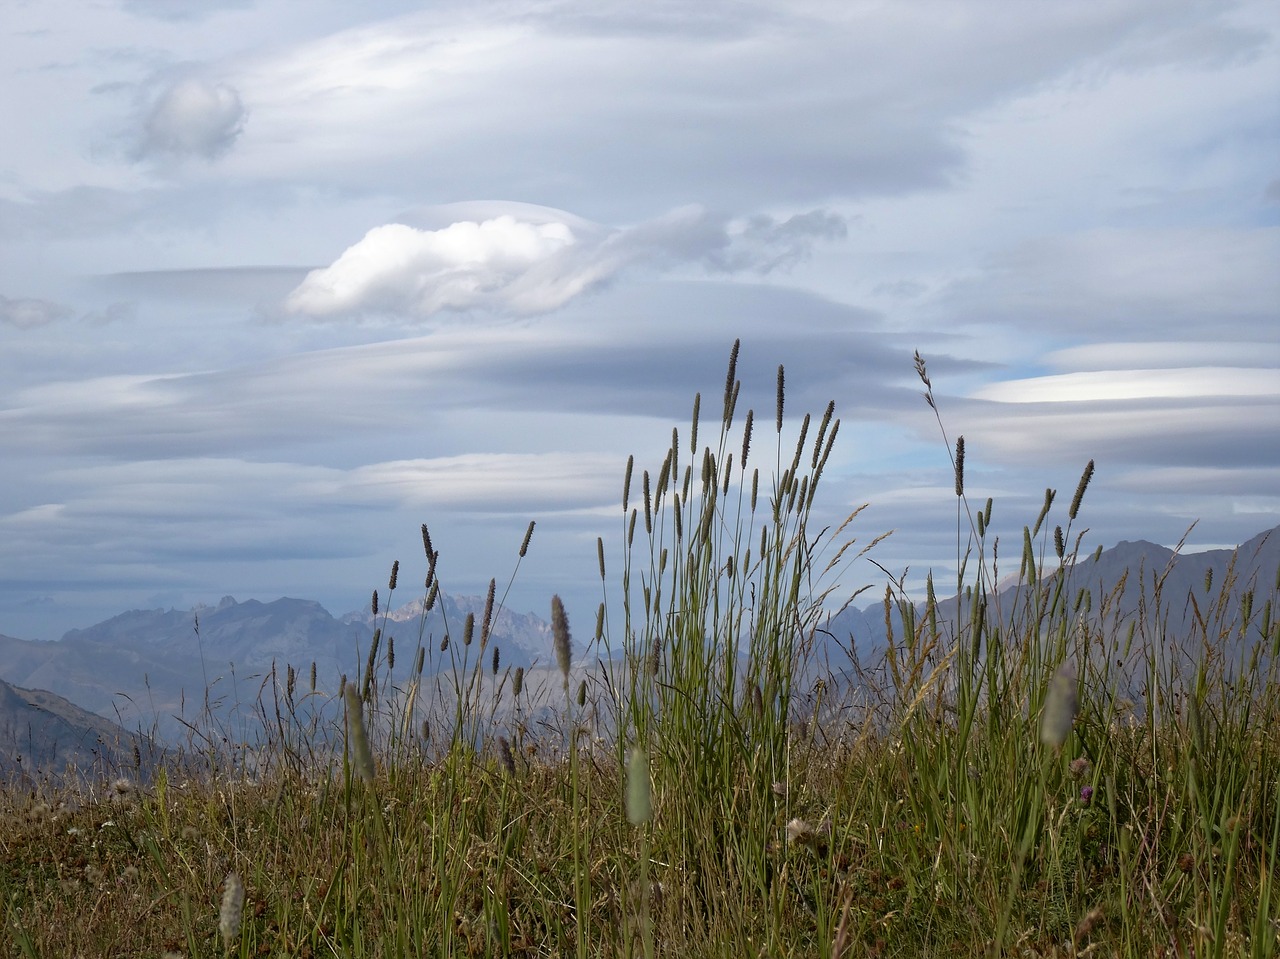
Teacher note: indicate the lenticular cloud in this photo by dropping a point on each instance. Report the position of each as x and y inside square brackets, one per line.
[536, 262]
[501, 263]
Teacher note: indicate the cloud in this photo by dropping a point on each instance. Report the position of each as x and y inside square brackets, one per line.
[535, 260]
[26, 312]
[1172, 354]
[728, 105]
[396, 268]
[1194, 383]
[1238, 431]
[1156, 284]
[763, 244]
[502, 482]
[664, 341]
[182, 10]
[192, 117]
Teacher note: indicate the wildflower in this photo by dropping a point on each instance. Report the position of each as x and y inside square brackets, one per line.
[1086, 794]
[122, 789]
[800, 832]
[1079, 767]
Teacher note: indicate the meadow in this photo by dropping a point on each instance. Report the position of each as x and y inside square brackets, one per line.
[1025, 772]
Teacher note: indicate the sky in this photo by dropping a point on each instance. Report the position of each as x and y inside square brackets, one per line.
[280, 282]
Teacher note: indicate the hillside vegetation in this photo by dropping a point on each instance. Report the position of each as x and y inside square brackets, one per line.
[1022, 773]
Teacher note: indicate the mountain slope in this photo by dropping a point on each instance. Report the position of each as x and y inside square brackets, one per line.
[43, 735]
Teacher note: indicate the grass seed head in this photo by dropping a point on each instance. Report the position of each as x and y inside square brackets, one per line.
[505, 756]
[232, 910]
[1060, 707]
[639, 798]
[1085, 477]
[781, 394]
[357, 738]
[730, 391]
[486, 623]
[560, 636]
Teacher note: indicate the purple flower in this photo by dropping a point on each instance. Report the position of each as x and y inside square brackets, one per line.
[1086, 794]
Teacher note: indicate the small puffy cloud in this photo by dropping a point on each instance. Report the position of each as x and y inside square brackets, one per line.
[530, 262]
[26, 312]
[397, 268]
[192, 116]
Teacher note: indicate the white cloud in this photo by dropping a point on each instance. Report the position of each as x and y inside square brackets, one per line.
[1234, 431]
[192, 116]
[1134, 385]
[529, 262]
[396, 268]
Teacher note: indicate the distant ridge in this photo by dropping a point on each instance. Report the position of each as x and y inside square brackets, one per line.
[1145, 568]
[146, 670]
[163, 671]
[44, 736]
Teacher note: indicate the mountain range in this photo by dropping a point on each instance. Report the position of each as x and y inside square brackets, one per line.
[157, 675]
[161, 671]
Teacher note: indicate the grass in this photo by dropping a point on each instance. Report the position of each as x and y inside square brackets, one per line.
[1022, 773]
